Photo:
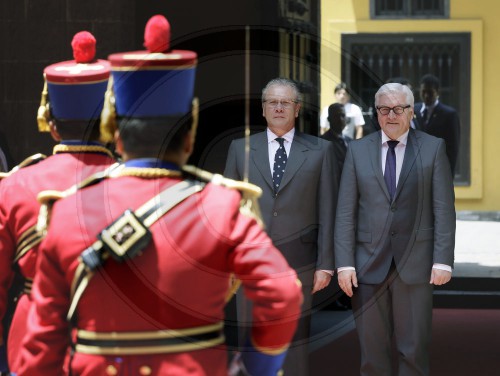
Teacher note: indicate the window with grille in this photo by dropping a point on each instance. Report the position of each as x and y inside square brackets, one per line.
[370, 59]
[410, 8]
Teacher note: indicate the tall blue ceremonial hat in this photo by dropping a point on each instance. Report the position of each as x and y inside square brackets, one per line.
[156, 82]
[74, 89]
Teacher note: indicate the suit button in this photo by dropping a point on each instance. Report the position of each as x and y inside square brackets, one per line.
[393, 208]
[111, 370]
[275, 214]
[393, 233]
[145, 371]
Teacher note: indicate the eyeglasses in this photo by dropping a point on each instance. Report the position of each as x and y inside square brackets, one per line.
[398, 110]
[274, 103]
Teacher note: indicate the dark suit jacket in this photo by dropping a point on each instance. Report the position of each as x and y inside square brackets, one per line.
[444, 123]
[300, 217]
[417, 228]
[339, 149]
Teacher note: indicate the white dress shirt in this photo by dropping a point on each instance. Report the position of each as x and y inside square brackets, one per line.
[274, 145]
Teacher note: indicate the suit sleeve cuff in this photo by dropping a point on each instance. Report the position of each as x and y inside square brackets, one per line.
[343, 268]
[331, 272]
[442, 267]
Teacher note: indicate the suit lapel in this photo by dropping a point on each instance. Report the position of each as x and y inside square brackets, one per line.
[435, 114]
[375, 155]
[419, 123]
[296, 158]
[260, 156]
[411, 152]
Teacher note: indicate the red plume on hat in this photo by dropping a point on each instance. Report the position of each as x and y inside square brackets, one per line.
[83, 45]
[157, 34]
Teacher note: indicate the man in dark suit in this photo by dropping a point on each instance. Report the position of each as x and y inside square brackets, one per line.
[394, 235]
[438, 119]
[298, 211]
[336, 119]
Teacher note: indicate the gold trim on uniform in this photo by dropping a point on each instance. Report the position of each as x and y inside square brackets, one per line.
[148, 173]
[159, 334]
[35, 158]
[270, 351]
[164, 349]
[111, 370]
[151, 349]
[78, 83]
[145, 371]
[28, 284]
[30, 238]
[61, 148]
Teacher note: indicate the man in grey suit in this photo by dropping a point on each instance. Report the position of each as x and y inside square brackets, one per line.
[395, 235]
[297, 205]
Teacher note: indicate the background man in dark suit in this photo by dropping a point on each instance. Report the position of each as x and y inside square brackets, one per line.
[336, 119]
[298, 211]
[438, 119]
[394, 235]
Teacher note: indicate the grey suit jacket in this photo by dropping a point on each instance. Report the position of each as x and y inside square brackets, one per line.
[301, 215]
[417, 228]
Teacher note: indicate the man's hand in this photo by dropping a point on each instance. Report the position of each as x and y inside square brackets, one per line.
[347, 279]
[321, 280]
[439, 277]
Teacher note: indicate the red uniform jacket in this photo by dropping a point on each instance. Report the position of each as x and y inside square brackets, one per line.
[180, 280]
[19, 212]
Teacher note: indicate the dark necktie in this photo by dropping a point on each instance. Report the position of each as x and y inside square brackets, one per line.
[279, 164]
[390, 168]
[424, 117]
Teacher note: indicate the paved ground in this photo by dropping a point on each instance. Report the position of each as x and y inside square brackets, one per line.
[477, 248]
[477, 255]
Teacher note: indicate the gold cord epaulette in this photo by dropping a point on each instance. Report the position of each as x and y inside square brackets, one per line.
[62, 148]
[148, 173]
[31, 160]
[46, 200]
[245, 187]
[249, 204]
[48, 197]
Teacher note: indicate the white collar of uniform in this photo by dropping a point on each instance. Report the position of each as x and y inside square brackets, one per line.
[271, 136]
[402, 139]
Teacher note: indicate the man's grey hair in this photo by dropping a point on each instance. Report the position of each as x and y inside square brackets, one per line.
[283, 82]
[395, 88]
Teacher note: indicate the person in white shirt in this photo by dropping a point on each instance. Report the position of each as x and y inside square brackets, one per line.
[354, 116]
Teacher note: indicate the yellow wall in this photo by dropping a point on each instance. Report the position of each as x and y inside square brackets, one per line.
[353, 16]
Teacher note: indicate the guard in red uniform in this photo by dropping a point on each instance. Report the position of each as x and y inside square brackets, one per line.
[139, 266]
[75, 91]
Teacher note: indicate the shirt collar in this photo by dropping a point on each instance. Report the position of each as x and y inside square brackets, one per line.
[402, 139]
[287, 136]
[429, 108]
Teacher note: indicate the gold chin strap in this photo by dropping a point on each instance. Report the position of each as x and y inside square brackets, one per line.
[108, 115]
[43, 114]
[195, 110]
